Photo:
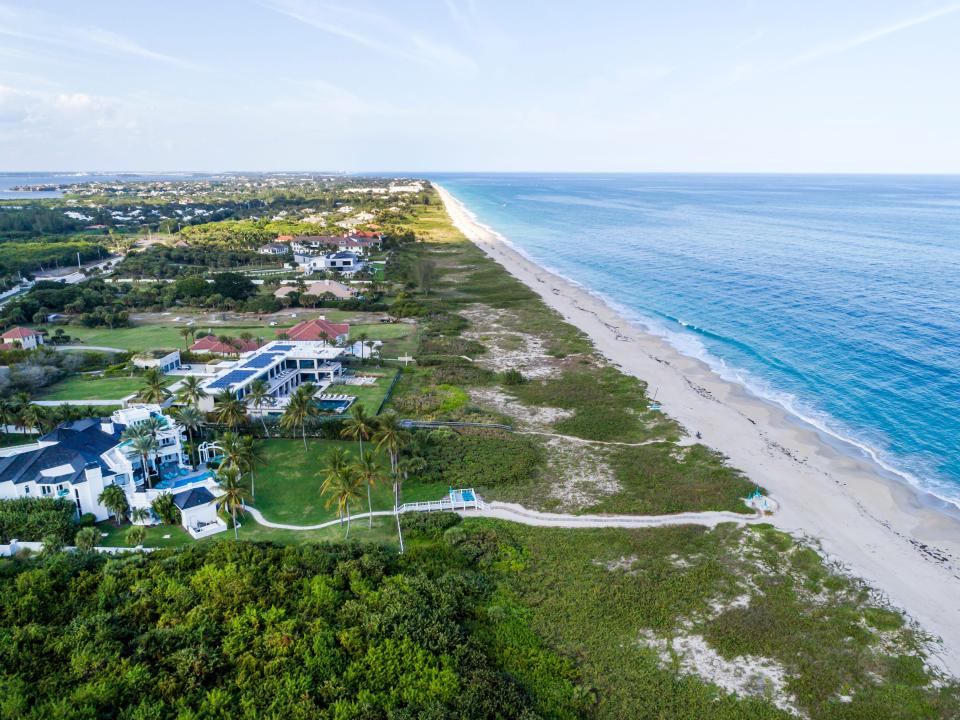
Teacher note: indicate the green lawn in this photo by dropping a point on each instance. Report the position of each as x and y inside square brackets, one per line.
[384, 531]
[288, 483]
[12, 439]
[149, 337]
[370, 396]
[81, 387]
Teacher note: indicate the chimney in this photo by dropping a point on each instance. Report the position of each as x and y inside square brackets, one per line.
[106, 426]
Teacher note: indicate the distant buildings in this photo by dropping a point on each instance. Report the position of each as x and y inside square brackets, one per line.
[166, 360]
[23, 337]
[211, 344]
[319, 288]
[283, 365]
[342, 261]
[274, 249]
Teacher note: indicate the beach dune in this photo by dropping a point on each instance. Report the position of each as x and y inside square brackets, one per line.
[881, 530]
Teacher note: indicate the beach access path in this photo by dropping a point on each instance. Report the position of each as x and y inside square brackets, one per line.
[876, 527]
[519, 514]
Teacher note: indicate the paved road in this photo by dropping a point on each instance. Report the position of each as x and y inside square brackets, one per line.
[101, 348]
[82, 403]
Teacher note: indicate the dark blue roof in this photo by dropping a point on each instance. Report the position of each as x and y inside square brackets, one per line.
[231, 378]
[191, 498]
[77, 444]
[261, 361]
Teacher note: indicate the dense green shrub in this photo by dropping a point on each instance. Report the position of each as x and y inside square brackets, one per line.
[428, 524]
[33, 519]
[255, 631]
[481, 460]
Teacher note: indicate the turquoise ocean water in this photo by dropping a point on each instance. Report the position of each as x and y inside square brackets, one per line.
[837, 297]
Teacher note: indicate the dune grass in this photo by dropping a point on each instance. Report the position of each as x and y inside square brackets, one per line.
[598, 595]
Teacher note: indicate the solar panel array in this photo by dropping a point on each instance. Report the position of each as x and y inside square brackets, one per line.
[261, 361]
[231, 378]
[282, 348]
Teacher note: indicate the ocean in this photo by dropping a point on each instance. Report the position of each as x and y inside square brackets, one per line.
[836, 297]
[10, 180]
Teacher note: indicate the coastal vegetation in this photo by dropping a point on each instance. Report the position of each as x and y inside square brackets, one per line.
[477, 617]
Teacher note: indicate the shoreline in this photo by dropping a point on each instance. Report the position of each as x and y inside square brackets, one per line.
[878, 528]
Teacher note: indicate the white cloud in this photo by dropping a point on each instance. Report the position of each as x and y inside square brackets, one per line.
[40, 27]
[372, 30]
[869, 36]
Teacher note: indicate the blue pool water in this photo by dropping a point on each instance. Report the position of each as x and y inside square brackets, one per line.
[333, 405]
[836, 296]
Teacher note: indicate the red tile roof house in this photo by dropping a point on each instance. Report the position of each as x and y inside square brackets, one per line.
[210, 344]
[317, 330]
[28, 339]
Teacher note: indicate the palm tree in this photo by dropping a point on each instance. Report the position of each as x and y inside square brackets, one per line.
[114, 499]
[8, 414]
[370, 473]
[232, 454]
[359, 426]
[154, 387]
[86, 539]
[258, 394]
[191, 391]
[166, 509]
[33, 418]
[139, 515]
[390, 437]
[229, 411]
[342, 484]
[191, 419]
[186, 333]
[251, 457]
[363, 338]
[300, 408]
[144, 444]
[234, 493]
[135, 535]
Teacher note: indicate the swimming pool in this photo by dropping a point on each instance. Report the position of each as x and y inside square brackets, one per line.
[333, 405]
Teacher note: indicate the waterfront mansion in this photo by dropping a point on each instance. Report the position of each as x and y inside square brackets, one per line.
[81, 458]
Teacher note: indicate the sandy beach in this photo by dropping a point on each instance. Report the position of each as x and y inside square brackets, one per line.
[875, 526]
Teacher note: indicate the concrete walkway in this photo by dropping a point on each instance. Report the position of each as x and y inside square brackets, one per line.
[519, 514]
[81, 403]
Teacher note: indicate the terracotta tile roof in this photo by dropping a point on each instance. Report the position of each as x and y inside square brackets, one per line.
[210, 344]
[312, 330]
[19, 333]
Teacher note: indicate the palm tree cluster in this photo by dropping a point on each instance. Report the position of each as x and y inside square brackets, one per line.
[344, 481]
[241, 455]
[154, 387]
[18, 412]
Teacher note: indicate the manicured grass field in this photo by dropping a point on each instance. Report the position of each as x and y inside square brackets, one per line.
[150, 337]
[288, 483]
[81, 387]
[370, 396]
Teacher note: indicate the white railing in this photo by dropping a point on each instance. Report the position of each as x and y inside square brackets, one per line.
[446, 504]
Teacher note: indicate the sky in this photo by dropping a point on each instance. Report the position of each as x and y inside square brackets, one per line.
[481, 85]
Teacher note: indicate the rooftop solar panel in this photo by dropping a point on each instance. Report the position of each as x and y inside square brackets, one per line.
[282, 348]
[261, 361]
[231, 378]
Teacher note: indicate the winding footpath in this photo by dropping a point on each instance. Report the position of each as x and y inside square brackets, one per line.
[519, 514]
